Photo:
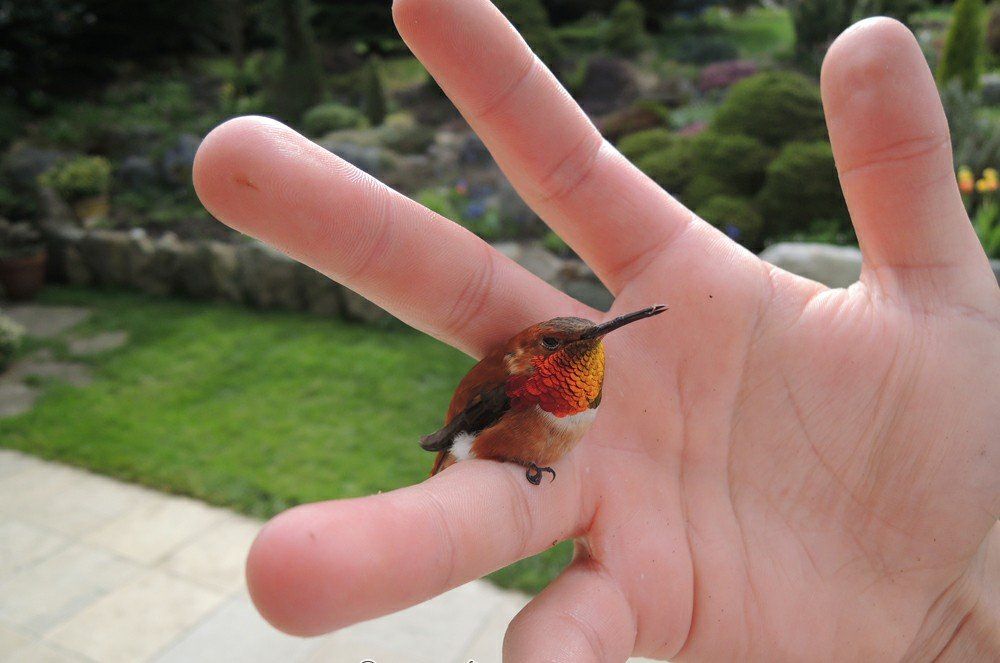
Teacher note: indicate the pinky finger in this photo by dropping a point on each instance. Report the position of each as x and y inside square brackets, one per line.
[582, 617]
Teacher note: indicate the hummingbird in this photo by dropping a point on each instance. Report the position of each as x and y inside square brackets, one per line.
[530, 400]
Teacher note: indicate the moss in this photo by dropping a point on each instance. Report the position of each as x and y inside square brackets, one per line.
[775, 108]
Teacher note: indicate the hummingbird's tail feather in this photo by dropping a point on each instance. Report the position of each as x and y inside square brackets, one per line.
[444, 460]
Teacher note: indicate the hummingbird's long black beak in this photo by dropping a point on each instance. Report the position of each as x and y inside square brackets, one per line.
[622, 320]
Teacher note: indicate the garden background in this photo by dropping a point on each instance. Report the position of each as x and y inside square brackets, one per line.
[250, 382]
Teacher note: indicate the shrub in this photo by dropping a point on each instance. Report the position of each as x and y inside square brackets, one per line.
[962, 57]
[735, 216]
[900, 10]
[11, 335]
[702, 188]
[671, 167]
[740, 162]
[532, 21]
[705, 49]
[402, 133]
[801, 188]
[636, 146]
[78, 178]
[626, 32]
[324, 118]
[375, 105]
[773, 107]
[299, 82]
[975, 136]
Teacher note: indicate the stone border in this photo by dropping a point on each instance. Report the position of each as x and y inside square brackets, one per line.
[252, 273]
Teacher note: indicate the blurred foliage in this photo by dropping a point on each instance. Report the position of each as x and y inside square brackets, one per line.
[735, 216]
[375, 102]
[298, 84]
[962, 58]
[817, 23]
[773, 107]
[532, 21]
[701, 188]
[626, 31]
[705, 49]
[975, 134]
[670, 167]
[738, 162]
[324, 118]
[79, 177]
[901, 10]
[638, 145]
[993, 32]
[802, 187]
[455, 203]
[11, 338]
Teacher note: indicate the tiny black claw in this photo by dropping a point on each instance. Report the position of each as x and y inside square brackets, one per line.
[549, 470]
[533, 474]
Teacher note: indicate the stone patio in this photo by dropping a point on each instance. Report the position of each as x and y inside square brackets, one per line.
[93, 569]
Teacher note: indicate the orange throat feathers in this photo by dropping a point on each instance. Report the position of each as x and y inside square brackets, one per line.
[563, 383]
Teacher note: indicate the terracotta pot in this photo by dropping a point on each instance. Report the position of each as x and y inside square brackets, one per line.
[92, 209]
[22, 278]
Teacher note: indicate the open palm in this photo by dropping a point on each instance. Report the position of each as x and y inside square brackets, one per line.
[779, 470]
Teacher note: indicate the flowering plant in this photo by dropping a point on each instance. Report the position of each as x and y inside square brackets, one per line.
[980, 196]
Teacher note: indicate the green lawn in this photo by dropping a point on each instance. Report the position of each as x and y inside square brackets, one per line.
[251, 410]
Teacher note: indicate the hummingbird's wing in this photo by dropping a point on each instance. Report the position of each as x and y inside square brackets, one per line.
[481, 411]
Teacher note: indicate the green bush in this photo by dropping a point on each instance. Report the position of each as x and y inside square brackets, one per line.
[801, 188]
[705, 49]
[298, 84]
[740, 162]
[640, 116]
[702, 188]
[736, 216]
[80, 177]
[626, 32]
[324, 118]
[817, 23]
[402, 133]
[532, 20]
[638, 145]
[774, 107]
[375, 104]
[11, 335]
[962, 57]
[993, 31]
[671, 168]
[900, 10]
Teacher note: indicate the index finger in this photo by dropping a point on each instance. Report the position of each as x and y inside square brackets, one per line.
[323, 566]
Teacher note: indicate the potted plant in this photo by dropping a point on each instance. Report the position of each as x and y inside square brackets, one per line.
[83, 182]
[22, 260]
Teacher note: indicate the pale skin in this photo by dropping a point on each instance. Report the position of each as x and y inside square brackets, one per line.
[778, 471]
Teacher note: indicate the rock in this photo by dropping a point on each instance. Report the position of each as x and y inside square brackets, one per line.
[64, 257]
[268, 278]
[407, 174]
[834, 266]
[45, 321]
[608, 84]
[370, 158]
[54, 210]
[16, 397]
[106, 255]
[536, 259]
[75, 268]
[136, 171]
[209, 270]
[577, 280]
[23, 163]
[322, 295]
[637, 117]
[472, 152]
[179, 158]
[359, 309]
[160, 259]
[990, 89]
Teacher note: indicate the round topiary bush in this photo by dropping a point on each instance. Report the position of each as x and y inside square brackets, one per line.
[636, 146]
[801, 188]
[735, 216]
[737, 161]
[78, 178]
[671, 167]
[702, 188]
[324, 118]
[774, 107]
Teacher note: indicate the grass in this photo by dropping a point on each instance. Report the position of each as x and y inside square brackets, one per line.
[257, 411]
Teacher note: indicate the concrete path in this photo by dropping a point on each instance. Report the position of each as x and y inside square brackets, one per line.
[93, 569]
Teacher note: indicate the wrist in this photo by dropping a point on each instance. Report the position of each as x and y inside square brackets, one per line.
[963, 624]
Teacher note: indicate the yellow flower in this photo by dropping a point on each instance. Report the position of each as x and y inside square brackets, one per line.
[991, 174]
[966, 180]
[987, 185]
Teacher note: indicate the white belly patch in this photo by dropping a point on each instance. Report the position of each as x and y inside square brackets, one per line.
[461, 447]
[573, 422]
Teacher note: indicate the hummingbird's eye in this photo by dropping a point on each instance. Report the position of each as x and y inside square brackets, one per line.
[550, 342]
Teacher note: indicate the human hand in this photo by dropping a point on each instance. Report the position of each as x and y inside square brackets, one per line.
[779, 470]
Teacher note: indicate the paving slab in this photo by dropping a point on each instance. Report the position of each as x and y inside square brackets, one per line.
[12, 640]
[151, 532]
[135, 621]
[43, 652]
[44, 321]
[487, 643]
[22, 544]
[16, 397]
[217, 556]
[92, 345]
[236, 632]
[75, 374]
[58, 587]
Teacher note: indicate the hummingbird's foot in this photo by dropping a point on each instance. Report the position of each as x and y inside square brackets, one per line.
[534, 474]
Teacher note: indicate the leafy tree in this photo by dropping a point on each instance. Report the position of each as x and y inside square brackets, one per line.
[626, 32]
[962, 57]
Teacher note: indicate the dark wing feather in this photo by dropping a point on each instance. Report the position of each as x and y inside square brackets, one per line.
[482, 411]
